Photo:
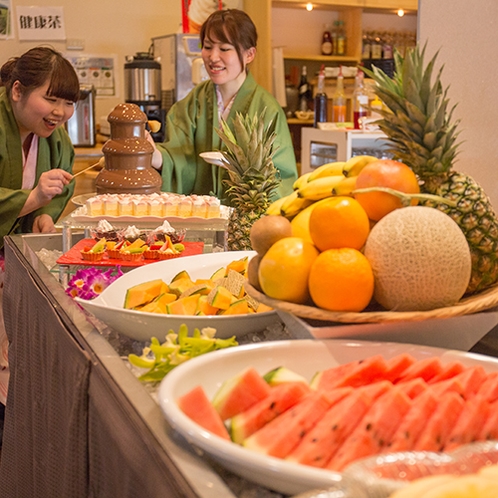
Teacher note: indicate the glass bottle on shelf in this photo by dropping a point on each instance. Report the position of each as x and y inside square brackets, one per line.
[334, 37]
[321, 100]
[304, 91]
[376, 49]
[366, 46]
[339, 101]
[327, 45]
[360, 100]
[341, 39]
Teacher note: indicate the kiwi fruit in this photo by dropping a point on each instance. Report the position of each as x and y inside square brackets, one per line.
[267, 230]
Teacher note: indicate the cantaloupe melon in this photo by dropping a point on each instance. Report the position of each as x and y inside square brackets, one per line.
[420, 260]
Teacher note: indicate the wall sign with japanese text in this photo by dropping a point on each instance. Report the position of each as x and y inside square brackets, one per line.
[40, 23]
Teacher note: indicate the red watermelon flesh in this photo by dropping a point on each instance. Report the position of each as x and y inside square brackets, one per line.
[281, 398]
[396, 365]
[323, 440]
[325, 380]
[374, 431]
[490, 429]
[439, 426]
[471, 379]
[425, 369]
[196, 405]
[280, 436]
[239, 393]
[449, 370]
[413, 388]
[489, 388]
[469, 424]
[413, 423]
[448, 385]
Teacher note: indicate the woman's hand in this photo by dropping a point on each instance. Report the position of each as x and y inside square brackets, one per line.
[50, 184]
[43, 224]
[157, 158]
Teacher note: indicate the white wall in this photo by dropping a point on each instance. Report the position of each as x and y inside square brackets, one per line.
[121, 27]
[466, 35]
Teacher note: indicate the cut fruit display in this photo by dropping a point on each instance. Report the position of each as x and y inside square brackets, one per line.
[358, 409]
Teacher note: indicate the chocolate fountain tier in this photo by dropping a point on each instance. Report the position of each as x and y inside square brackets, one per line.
[127, 120]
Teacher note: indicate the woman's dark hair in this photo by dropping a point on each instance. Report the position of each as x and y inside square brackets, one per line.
[35, 67]
[231, 26]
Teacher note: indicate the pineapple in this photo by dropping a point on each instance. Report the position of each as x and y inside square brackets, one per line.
[252, 176]
[423, 135]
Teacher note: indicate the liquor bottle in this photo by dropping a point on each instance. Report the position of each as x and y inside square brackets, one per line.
[339, 101]
[304, 91]
[327, 46]
[321, 100]
[360, 100]
[341, 39]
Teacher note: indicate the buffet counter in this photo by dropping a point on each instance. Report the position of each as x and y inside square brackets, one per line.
[78, 421]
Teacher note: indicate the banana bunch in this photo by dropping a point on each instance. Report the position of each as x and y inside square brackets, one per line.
[336, 178]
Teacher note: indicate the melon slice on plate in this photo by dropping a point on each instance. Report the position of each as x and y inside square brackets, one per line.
[279, 437]
[449, 370]
[396, 365]
[375, 429]
[490, 428]
[489, 388]
[425, 369]
[239, 393]
[196, 405]
[414, 387]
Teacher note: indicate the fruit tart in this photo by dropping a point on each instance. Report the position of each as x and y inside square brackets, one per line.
[170, 250]
[94, 253]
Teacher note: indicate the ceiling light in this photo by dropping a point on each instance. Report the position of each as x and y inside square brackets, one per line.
[401, 12]
[309, 6]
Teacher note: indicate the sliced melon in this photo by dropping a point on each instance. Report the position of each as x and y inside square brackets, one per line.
[179, 275]
[184, 306]
[204, 308]
[143, 293]
[180, 285]
[221, 298]
[239, 307]
[283, 375]
[239, 265]
[220, 273]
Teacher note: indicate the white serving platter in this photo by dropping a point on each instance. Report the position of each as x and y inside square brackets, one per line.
[305, 357]
[141, 326]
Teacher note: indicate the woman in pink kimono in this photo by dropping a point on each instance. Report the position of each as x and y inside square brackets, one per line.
[37, 95]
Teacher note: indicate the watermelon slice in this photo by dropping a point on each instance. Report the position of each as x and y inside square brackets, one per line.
[325, 380]
[439, 426]
[414, 387]
[281, 375]
[357, 374]
[490, 429]
[240, 393]
[453, 384]
[196, 405]
[449, 370]
[280, 436]
[413, 423]
[322, 441]
[489, 388]
[397, 365]
[425, 369]
[281, 398]
[469, 424]
[466, 383]
[374, 431]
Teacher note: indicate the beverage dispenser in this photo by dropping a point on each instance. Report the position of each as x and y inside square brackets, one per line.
[143, 88]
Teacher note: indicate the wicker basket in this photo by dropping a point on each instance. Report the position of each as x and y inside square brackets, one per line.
[479, 302]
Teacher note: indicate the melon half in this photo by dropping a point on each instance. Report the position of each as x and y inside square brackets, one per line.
[420, 260]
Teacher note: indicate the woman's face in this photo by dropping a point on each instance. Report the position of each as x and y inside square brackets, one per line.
[222, 61]
[38, 112]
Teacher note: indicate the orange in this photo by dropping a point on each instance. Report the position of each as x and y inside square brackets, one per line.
[385, 173]
[339, 222]
[341, 280]
[284, 269]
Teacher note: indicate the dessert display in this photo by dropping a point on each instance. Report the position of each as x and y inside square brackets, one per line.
[161, 205]
[128, 157]
[160, 234]
[105, 230]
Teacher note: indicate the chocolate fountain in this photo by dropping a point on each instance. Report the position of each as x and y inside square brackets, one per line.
[128, 155]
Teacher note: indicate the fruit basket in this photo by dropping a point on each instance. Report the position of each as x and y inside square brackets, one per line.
[481, 301]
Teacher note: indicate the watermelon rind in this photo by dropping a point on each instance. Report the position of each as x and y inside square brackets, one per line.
[282, 375]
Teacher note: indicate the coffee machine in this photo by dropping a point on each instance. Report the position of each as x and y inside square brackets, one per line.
[143, 88]
[81, 125]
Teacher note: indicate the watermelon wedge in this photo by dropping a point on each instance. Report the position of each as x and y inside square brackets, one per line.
[449, 370]
[414, 387]
[489, 388]
[322, 441]
[280, 436]
[196, 405]
[240, 393]
[490, 429]
[466, 383]
[281, 398]
[326, 380]
[413, 423]
[469, 424]
[425, 369]
[375, 429]
[396, 365]
[437, 429]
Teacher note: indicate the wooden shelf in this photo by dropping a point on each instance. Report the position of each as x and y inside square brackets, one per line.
[320, 58]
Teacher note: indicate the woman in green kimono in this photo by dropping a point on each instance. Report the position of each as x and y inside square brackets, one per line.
[228, 39]
[37, 95]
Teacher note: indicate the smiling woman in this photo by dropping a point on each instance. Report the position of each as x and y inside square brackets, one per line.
[37, 95]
